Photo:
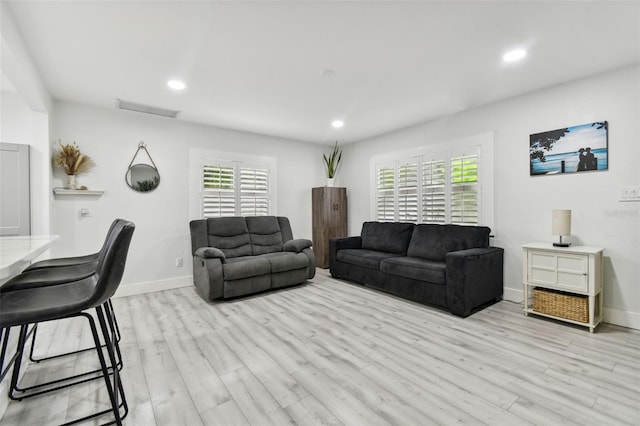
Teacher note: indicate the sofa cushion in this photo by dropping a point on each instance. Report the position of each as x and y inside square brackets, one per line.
[244, 267]
[265, 234]
[365, 258]
[286, 261]
[433, 242]
[415, 269]
[230, 235]
[390, 237]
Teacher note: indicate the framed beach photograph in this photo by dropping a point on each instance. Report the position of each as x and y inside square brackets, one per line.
[573, 149]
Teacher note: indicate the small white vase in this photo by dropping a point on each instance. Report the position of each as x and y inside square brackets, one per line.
[330, 182]
[71, 182]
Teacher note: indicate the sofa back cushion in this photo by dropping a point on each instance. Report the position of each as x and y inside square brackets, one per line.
[265, 234]
[389, 237]
[433, 242]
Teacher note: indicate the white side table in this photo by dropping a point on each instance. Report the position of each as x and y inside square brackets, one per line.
[575, 269]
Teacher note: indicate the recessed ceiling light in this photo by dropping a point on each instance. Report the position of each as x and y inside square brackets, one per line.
[176, 84]
[514, 55]
[337, 123]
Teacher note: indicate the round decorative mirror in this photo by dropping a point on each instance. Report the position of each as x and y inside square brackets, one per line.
[142, 177]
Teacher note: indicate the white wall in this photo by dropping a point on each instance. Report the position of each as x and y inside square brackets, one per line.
[111, 138]
[523, 204]
[24, 115]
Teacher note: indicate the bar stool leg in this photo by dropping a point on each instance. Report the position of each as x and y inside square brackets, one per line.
[32, 357]
[117, 384]
[18, 362]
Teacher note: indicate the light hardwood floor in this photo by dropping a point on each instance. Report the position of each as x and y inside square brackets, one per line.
[335, 353]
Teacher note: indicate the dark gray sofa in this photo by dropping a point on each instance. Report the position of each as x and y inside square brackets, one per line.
[237, 256]
[451, 266]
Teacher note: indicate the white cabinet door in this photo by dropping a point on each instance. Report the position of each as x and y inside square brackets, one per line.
[560, 271]
[15, 215]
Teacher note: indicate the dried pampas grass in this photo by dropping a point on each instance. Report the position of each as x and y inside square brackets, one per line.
[72, 160]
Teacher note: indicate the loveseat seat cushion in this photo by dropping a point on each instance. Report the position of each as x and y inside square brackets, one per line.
[433, 242]
[416, 269]
[230, 235]
[265, 234]
[244, 267]
[286, 261]
[389, 237]
[369, 259]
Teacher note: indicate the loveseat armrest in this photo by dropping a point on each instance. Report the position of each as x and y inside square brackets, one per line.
[210, 253]
[297, 245]
[473, 277]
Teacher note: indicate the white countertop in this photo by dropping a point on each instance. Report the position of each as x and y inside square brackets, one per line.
[17, 252]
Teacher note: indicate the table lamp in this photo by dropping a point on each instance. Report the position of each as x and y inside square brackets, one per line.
[561, 225]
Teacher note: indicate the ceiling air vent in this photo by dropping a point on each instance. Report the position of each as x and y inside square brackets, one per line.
[132, 106]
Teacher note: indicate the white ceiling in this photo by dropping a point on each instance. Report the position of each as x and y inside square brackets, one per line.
[258, 66]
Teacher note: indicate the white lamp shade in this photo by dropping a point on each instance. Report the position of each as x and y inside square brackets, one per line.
[561, 222]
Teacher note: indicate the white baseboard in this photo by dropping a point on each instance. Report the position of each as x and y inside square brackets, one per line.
[512, 295]
[611, 316]
[623, 318]
[151, 286]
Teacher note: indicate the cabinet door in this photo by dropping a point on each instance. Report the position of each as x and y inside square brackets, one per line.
[573, 272]
[337, 208]
[559, 271]
[15, 212]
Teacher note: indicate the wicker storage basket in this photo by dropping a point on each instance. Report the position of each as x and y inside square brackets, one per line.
[560, 304]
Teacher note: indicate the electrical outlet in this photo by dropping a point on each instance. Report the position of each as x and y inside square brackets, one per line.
[179, 262]
[630, 193]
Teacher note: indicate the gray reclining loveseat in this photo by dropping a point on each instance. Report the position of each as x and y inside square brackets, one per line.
[237, 256]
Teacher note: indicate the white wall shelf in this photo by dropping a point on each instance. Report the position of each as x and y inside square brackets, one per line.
[85, 192]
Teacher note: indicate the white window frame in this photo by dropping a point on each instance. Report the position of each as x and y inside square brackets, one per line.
[199, 157]
[481, 144]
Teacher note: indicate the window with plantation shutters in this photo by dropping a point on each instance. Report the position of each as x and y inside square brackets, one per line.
[235, 189]
[434, 199]
[464, 190]
[424, 189]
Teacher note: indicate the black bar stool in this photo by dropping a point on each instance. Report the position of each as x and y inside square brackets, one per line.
[75, 299]
[56, 271]
[73, 261]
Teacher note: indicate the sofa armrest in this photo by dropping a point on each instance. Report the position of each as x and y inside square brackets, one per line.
[473, 277]
[336, 244]
[210, 253]
[345, 243]
[297, 245]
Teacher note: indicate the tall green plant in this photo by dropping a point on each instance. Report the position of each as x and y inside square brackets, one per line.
[332, 161]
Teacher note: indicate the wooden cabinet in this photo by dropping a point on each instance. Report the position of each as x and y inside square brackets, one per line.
[329, 209]
[574, 270]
